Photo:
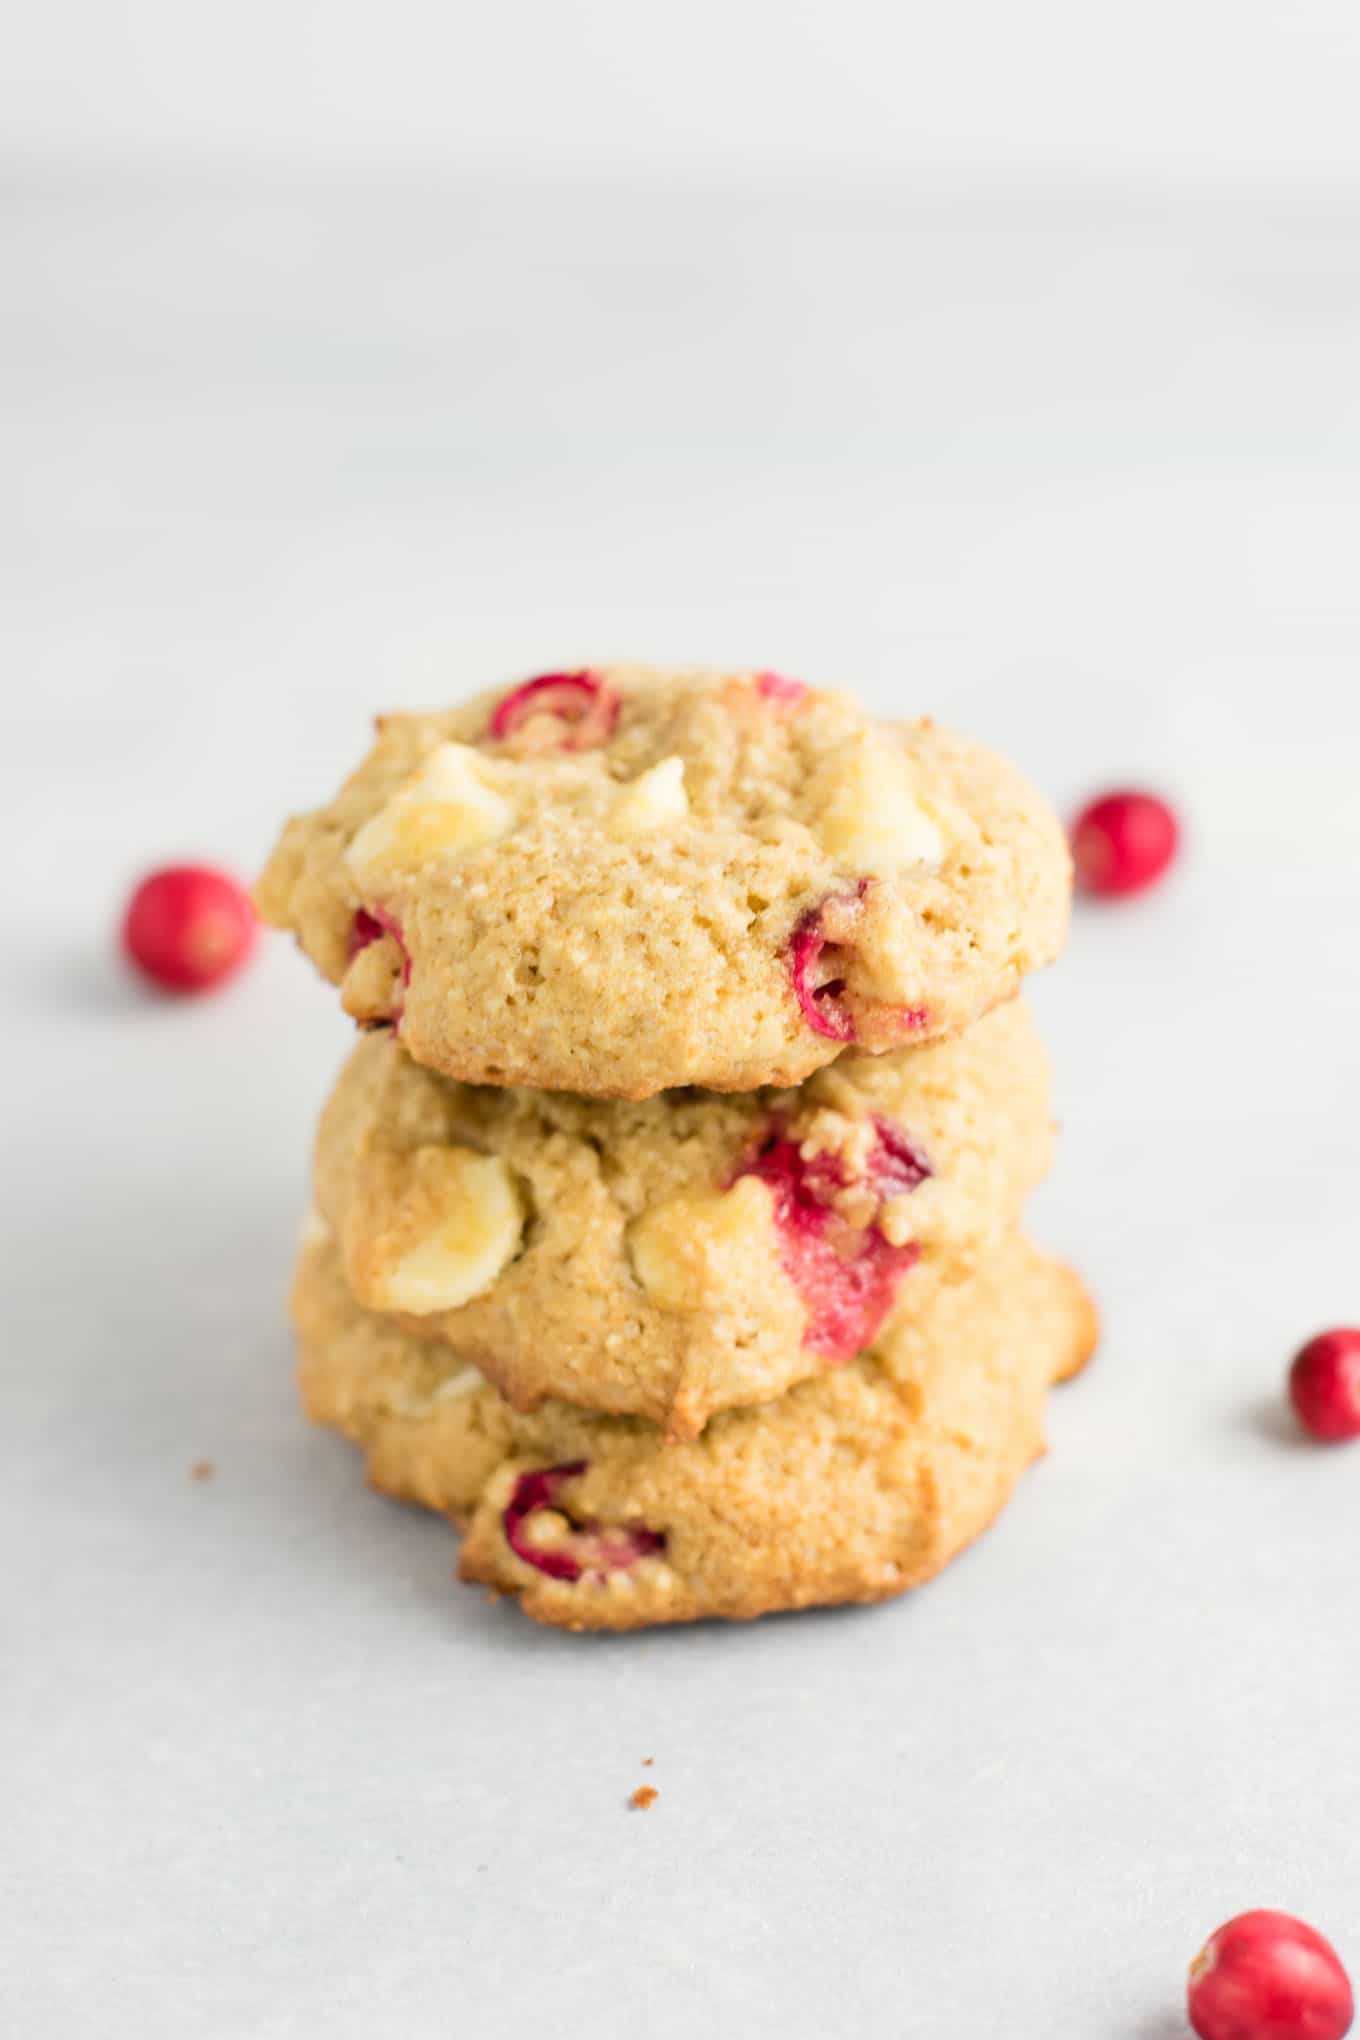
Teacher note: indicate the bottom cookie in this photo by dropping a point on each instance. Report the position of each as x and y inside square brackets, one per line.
[853, 1486]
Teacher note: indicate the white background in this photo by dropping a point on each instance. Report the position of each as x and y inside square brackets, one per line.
[1006, 372]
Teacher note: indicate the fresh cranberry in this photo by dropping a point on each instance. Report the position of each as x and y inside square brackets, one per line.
[778, 687]
[586, 708]
[189, 927]
[1123, 842]
[591, 1549]
[1266, 1976]
[848, 1280]
[1324, 1385]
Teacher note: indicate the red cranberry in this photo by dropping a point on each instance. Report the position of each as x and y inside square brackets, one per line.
[848, 1281]
[189, 927]
[370, 924]
[895, 1166]
[819, 1003]
[590, 1549]
[778, 687]
[1123, 842]
[1324, 1385]
[585, 707]
[363, 929]
[1266, 1976]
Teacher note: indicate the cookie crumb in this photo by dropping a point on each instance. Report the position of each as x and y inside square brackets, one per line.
[645, 1796]
[202, 1469]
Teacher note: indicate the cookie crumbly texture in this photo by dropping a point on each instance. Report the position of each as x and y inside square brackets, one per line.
[852, 1487]
[630, 1277]
[626, 915]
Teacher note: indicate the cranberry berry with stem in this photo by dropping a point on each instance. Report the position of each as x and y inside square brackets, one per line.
[1324, 1385]
[1268, 1976]
[1123, 842]
[189, 927]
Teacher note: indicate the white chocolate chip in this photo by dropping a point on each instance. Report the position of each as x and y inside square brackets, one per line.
[449, 806]
[650, 801]
[466, 1381]
[456, 1222]
[870, 818]
[687, 1249]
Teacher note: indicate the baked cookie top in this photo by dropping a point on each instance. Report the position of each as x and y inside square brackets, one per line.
[852, 1487]
[621, 881]
[685, 1253]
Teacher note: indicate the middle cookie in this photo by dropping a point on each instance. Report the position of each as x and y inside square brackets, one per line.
[689, 1253]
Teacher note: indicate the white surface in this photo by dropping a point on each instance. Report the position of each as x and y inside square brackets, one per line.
[741, 88]
[1084, 481]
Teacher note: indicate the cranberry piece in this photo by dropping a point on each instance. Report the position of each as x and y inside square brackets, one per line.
[189, 927]
[895, 1166]
[819, 1003]
[370, 924]
[363, 929]
[586, 708]
[590, 1549]
[848, 1281]
[1267, 1976]
[1324, 1385]
[778, 687]
[1123, 842]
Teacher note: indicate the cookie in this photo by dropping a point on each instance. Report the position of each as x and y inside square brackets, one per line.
[686, 1253]
[618, 882]
[851, 1487]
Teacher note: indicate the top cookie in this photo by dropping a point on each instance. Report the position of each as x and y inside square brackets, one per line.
[621, 881]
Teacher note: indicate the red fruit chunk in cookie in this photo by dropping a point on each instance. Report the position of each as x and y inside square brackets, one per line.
[778, 687]
[848, 1280]
[1123, 842]
[1268, 1976]
[586, 709]
[819, 1003]
[363, 929]
[188, 927]
[369, 925]
[586, 1549]
[1324, 1385]
[895, 1166]
[822, 1003]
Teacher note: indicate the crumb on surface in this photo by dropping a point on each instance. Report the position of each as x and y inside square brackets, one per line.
[644, 1797]
[202, 1469]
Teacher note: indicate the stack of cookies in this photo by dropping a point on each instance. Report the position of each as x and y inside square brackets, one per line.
[667, 1209]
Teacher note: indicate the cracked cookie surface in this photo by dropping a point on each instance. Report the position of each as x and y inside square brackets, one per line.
[618, 881]
[852, 1487]
[687, 1253]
